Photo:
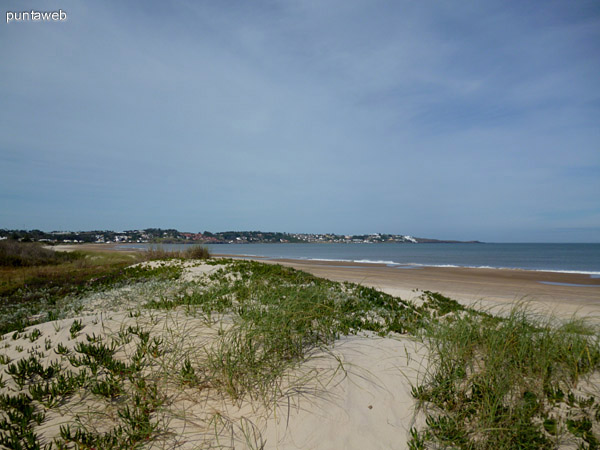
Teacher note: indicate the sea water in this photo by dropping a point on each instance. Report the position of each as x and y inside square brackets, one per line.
[575, 258]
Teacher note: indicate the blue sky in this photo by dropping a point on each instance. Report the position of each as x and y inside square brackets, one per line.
[454, 120]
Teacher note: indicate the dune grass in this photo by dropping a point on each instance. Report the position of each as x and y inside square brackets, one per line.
[494, 382]
[277, 317]
[280, 316]
[191, 252]
[35, 280]
[516, 382]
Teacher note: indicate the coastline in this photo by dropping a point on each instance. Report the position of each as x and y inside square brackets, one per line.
[574, 293]
[370, 403]
[560, 293]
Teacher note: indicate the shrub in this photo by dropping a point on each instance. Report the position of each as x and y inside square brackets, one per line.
[194, 252]
[197, 252]
[21, 254]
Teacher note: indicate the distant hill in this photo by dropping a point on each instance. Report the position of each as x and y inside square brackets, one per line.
[168, 236]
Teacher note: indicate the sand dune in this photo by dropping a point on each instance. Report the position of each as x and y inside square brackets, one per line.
[354, 394]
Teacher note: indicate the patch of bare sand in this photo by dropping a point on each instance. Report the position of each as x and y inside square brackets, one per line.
[364, 401]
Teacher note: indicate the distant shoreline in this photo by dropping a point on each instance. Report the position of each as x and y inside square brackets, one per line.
[569, 293]
[173, 236]
[134, 247]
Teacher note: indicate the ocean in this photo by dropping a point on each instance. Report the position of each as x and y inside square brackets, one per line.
[569, 258]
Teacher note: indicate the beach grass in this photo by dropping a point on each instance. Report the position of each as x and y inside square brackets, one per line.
[239, 333]
[191, 252]
[513, 382]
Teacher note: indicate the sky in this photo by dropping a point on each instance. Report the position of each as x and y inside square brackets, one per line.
[442, 119]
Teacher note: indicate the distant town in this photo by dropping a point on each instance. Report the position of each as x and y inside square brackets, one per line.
[172, 236]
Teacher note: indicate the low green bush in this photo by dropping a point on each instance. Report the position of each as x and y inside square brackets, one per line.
[25, 254]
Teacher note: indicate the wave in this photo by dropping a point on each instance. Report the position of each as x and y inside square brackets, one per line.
[584, 272]
[404, 264]
[363, 261]
[580, 272]
[370, 261]
[411, 264]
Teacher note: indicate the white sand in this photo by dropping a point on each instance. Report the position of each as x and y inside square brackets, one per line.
[355, 395]
[366, 404]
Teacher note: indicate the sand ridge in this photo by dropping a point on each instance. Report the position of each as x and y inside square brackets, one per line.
[354, 394]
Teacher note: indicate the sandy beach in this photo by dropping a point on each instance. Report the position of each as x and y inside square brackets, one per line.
[565, 293]
[558, 293]
[355, 393]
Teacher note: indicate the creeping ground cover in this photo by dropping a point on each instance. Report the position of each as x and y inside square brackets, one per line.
[186, 353]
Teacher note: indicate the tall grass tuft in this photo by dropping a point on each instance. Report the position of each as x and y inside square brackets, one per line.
[193, 252]
[196, 252]
[502, 383]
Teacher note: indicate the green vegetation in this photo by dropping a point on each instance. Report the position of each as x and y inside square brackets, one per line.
[35, 283]
[494, 382]
[172, 236]
[192, 252]
[280, 316]
[25, 254]
[152, 235]
[508, 383]
[123, 386]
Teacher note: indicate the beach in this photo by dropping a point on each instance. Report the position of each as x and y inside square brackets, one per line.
[188, 347]
[559, 293]
[353, 393]
[564, 294]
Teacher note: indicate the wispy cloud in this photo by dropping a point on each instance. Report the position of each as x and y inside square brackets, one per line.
[460, 120]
